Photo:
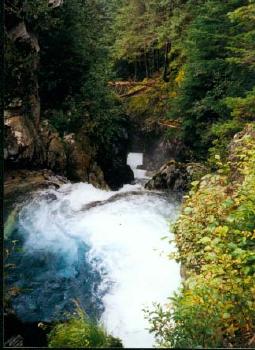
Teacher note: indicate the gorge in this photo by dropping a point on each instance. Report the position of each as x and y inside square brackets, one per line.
[129, 158]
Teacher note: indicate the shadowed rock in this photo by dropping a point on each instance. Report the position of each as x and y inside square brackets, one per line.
[176, 176]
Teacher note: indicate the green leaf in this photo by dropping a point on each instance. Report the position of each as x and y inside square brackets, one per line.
[188, 210]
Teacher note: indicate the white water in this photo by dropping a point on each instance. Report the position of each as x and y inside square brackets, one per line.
[134, 160]
[125, 234]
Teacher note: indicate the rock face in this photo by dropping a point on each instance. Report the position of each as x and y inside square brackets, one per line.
[114, 162]
[29, 148]
[30, 142]
[80, 164]
[176, 176]
[55, 155]
[158, 153]
[21, 38]
[22, 142]
[156, 148]
[30, 180]
[26, 146]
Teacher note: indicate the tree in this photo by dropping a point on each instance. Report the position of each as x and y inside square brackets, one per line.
[207, 76]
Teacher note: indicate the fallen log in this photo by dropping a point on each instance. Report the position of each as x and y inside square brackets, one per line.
[174, 124]
[132, 93]
[150, 83]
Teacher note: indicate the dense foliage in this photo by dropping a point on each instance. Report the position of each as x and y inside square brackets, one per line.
[207, 58]
[197, 60]
[190, 68]
[200, 56]
[80, 332]
[71, 67]
[215, 235]
[74, 69]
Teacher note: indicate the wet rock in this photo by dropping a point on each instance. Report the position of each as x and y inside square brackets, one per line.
[50, 197]
[176, 176]
[78, 161]
[81, 165]
[22, 142]
[18, 185]
[113, 162]
[35, 148]
[27, 146]
[118, 174]
[96, 177]
[15, 341]
[56, 158]
[19, 334]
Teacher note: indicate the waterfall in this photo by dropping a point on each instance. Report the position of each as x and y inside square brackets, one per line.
[102, 248]
[134, 160]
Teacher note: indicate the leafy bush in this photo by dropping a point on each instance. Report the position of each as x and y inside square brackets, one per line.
[222, 132]
[215, 235]
[80, 332]
[242, 111]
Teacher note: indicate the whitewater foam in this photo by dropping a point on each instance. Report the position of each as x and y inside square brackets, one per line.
[126, 246]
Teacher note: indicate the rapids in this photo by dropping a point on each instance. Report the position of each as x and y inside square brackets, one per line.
[108, 250]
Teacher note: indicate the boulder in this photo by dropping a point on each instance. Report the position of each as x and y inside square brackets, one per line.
[117, 174]
[96, 177]
[113, 161]
[176, 176]
[80, 162]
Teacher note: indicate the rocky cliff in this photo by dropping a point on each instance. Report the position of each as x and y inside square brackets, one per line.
[28, 147]
[30, 141]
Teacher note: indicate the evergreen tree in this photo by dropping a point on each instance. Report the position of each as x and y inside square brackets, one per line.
[208, 77]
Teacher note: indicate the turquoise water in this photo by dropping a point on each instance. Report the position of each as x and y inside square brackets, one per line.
[101, 248]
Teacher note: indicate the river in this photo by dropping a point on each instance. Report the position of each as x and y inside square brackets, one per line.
[107, 250]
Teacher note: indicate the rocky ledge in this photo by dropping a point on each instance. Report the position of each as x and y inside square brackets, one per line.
[19, 184]
[28, 147]
[176, 176]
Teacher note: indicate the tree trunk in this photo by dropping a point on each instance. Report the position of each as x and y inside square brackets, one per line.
[154, 61]
[135, 64]
[146, 64]
[166, 61]
[158, 59]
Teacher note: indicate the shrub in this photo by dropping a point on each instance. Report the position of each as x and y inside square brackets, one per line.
[80, 332]
[215, 235]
